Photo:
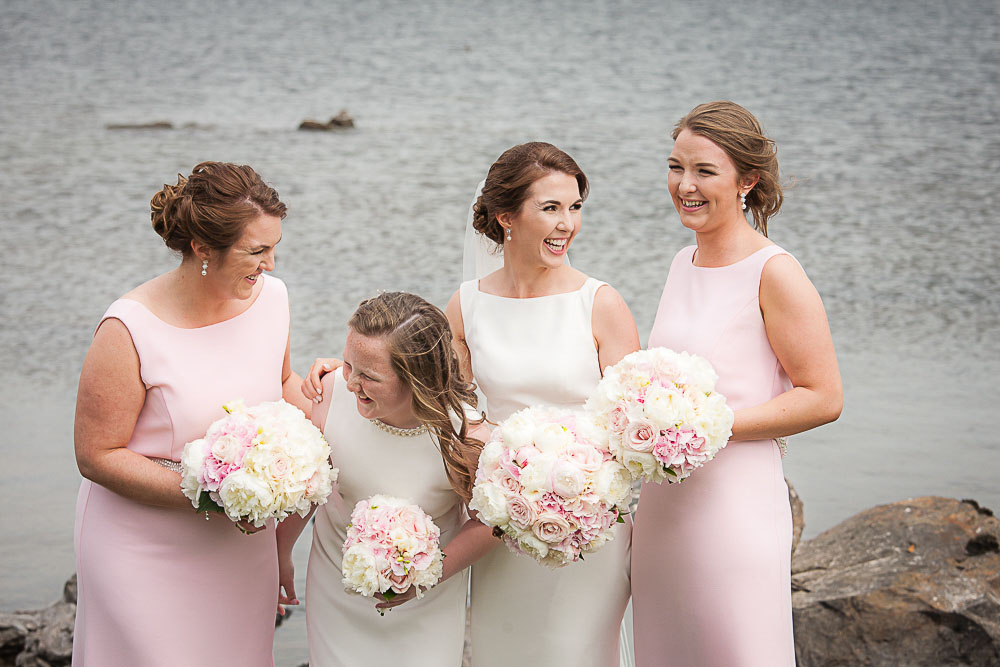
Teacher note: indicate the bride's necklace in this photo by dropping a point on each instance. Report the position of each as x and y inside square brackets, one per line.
[395, 430]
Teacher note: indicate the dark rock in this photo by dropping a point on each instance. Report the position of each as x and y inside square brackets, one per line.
[42, 638]
[341, 120]
[915, 583]
[157, 125]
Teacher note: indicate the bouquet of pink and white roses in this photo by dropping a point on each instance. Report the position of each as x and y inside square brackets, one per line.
[258, 463]
[391, 545]
[547, 487]
[661, 413]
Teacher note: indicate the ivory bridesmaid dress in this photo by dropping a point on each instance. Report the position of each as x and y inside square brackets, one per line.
[540, 351]
[162, 586]
[711, 555]
[344, 628]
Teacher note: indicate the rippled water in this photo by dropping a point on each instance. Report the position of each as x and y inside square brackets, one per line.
[886, 118]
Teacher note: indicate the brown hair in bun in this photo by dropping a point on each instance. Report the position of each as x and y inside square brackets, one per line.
[212, 206]
[509, 178]
[736, 131]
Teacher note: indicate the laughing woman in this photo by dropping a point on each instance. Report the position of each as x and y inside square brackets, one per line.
[539, 332]
[397, 420]
[711, 557]
[164, 359]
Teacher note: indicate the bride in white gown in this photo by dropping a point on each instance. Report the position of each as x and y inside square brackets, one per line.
[537, 331]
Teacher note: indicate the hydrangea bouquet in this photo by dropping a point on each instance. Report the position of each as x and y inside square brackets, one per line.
[547, 486]
[391, 545]
[661, 414]
[258, 463]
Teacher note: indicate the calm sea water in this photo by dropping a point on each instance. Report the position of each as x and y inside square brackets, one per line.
[887, 117]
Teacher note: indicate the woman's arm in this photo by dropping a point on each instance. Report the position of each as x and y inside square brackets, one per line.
[110, 396]
[797, 328]
[615, 334]
[291, 383]
[473, 540]
[289, 530]
[454, 314]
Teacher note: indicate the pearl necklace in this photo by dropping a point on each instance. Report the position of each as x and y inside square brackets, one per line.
[395, 430]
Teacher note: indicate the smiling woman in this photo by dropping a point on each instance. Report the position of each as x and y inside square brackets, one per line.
[538, 332]
[164, 359]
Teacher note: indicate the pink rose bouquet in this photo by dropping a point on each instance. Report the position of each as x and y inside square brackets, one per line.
[547, 486]
[660, 413]
[391, 545]
[258, 463]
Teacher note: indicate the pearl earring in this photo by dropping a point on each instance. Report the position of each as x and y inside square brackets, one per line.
[508, 233]
[743, 200]
[204, 264]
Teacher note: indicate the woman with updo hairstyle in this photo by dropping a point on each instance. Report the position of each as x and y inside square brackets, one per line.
[539, 332]
[400, 421]
[159, 585]
[711, 557]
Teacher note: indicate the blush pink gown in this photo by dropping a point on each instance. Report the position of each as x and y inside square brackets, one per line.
[711, 556]
[164, 587]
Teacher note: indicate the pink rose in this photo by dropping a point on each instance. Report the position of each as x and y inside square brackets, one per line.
[521, 512]
[551, 528]
[585, 457]
[508, 484]
[667, 450]
[508, 464]
[525, 454]
[280, 467]
[618, 419]
[640, 435]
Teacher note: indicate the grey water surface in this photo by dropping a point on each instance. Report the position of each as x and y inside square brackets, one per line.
[886, 116]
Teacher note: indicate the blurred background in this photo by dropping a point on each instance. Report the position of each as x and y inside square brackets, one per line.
[886, 116]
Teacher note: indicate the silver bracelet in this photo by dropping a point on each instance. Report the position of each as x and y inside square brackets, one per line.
[783, 446]
[168, 464]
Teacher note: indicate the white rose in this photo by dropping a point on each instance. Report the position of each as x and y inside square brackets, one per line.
[536, 475]
[640, 464]
[360, 574]
[614, 483]
[551, 437]
[516, 430]
[663, 406]
[567, 479]
[489, 459]
[192, 461]
[244, 495]
[491, 504]
[533, 546]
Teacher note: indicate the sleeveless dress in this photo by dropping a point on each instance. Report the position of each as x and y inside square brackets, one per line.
[711, 556]
[162, 586]
[344, 628]
[525, 352]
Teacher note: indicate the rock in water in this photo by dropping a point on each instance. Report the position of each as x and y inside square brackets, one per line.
[915, 583]
[341, 120]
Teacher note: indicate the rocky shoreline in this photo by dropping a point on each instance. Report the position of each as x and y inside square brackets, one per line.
[915, 582]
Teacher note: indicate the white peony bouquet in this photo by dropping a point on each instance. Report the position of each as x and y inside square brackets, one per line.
[266, 461]
[391, 545]
[661, 414]
[548, 487]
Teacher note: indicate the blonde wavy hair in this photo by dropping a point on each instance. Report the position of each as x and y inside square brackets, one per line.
[420, 349]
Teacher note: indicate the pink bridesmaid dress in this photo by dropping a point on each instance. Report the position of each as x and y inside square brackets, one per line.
[165, 587]
[711, 556]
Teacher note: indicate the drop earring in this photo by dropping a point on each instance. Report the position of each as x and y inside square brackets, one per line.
[508, 233]
[204, 264]
[743, 201]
